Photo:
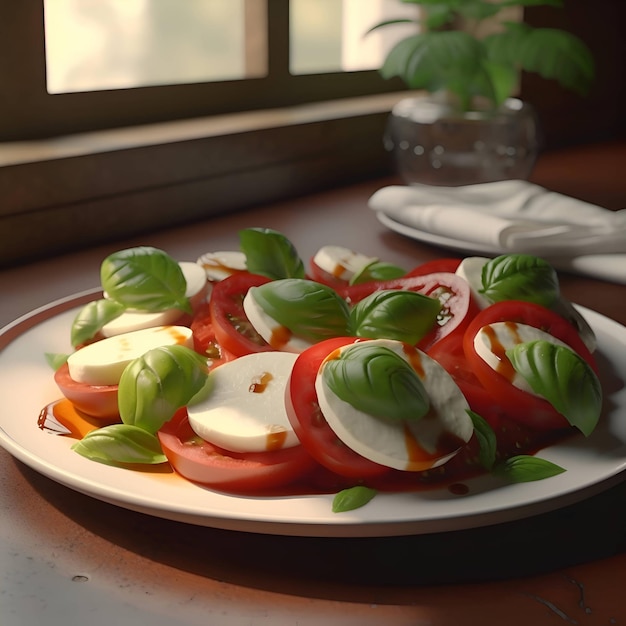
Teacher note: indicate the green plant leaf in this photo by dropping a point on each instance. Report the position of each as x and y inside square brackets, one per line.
[524, 468]
[307, 308]
[144, 278]
[563, 378]
[120, 443]
[520, 277]
[503, 79]
[269, 253]
[377, 270]
[154, 386]
[92, 317]
[394, 314]
[552, 53]
[376, 380]
[352, 498]
[487, 443]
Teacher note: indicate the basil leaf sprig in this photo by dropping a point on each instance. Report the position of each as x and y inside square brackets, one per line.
[378, 381]
[377, 270]
[154, 386]
[521, 468]
[92, 318]
[145, 278]
[121, 443]
[563, 378]
[520, 277]
[310, 310]
[394, 314]
[269, 253]
[352, 498]
[525, 468]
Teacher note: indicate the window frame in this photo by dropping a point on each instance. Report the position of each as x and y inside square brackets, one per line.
[32, 113]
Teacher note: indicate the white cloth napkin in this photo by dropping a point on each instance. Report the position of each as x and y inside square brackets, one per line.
[514, 216]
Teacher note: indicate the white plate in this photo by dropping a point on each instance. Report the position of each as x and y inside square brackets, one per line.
[27, 385]
[437, 240]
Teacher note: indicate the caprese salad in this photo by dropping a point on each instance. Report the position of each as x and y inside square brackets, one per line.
[252, 373]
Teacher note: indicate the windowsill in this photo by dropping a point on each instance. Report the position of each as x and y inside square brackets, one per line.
[131, 180]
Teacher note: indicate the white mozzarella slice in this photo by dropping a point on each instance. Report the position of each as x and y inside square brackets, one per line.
[220, 265]
[492, 341]
[470, 269]
[102, 362]
[404, 444]
[243, 406]
[279, 337]
[340, 262]
[134, 319]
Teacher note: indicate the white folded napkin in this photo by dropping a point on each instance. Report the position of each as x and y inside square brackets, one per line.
[514, 216]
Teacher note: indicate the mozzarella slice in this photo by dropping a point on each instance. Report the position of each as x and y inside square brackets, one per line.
[102, 362]
[243, 409]
[470, 269]
[220, 265]
[404, 445]
[342, 263]
[492, 341]
[276, 335]
[134, 319]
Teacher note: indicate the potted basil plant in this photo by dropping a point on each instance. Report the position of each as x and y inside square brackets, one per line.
[468, 127]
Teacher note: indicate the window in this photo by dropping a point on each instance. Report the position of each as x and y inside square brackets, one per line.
[76, 65]
[296, 109]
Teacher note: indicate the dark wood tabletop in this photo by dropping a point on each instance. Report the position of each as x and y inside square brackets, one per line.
[65, 555]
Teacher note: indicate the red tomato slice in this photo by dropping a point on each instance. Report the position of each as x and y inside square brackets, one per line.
[204, 339]
[308, 422]
[436, 265]
[458, 306]
[95, 400]
[245, 473]
[521, 406]
[232, 329]
[450, 355]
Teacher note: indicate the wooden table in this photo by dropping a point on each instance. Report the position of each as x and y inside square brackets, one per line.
[66, 558]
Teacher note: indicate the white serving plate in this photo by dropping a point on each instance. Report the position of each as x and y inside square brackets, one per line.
[27, 385]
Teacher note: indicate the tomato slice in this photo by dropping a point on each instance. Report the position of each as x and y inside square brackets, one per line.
[231, 326]
[308, 422]
[523, 407]
[458, 306]
[252, 473]
[450, 355]
[95, 400]
[204, 339]
[436, 265]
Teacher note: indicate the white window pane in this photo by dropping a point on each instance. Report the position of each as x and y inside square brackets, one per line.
[115, 44]
[330, 35]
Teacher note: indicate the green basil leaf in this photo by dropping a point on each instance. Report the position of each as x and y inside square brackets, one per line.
[379, 382]
[145, 278]
[308, 309]
[352, 498]
[55, 360]
[269, 253]
[394, 314]
[525, 469]
[486, 440]
[120, 443]
[154, 386]
[377, 270]
[563, 378]
[92, 317]
[520, 277]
